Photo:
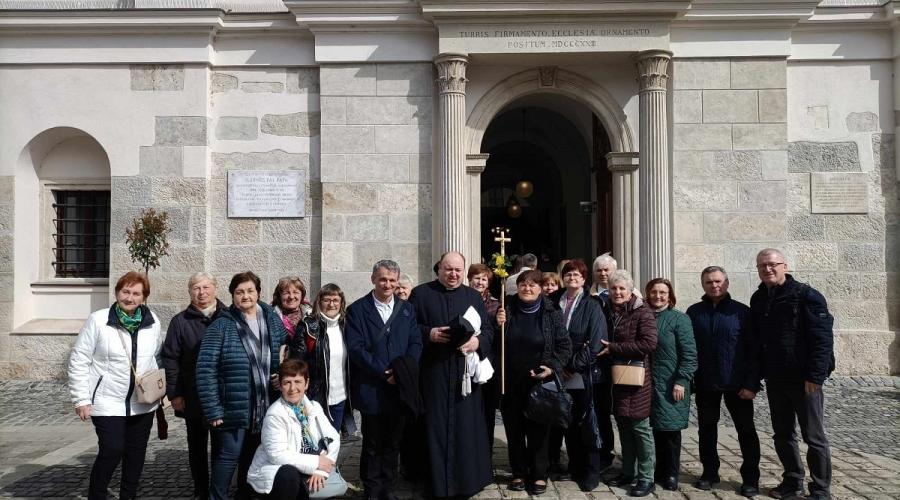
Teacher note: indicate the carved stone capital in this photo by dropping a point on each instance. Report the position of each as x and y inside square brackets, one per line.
[652, 66]
[451, 70]
[547, 75]
[622, 161]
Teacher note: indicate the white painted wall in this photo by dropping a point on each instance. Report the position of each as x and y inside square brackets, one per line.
[820, 96]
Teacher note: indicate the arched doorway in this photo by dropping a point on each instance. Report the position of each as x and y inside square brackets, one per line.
[558, 146]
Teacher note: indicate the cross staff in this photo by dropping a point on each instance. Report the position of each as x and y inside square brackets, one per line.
[503, 240]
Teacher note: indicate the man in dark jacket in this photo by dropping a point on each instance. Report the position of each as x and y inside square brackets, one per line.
[794, 329]
[725, 370]
[179, 358]
[380, 328]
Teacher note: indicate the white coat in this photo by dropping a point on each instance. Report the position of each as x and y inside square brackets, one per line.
[99, 371]
[282, 440]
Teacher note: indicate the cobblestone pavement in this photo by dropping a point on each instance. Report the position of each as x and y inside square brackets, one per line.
[47, 453]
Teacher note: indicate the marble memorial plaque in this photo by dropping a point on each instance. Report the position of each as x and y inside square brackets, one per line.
[839, 192]
[266, 193]
[512, 38]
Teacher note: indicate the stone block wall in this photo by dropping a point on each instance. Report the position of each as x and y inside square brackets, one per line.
[729, 168]
[376, 171]
[264, 120]
[740, 186]
[7, 199]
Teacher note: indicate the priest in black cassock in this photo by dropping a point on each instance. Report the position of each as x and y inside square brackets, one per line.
[458, 453]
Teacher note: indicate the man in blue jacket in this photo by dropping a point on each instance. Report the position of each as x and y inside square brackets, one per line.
[726, 370]
[380, 329]
[794, 329]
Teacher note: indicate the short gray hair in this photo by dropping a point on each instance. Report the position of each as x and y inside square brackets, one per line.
[405, 279]
[713, 269]
[770, 251]
[198, 277]
[530, 260]
[387, 264]
[619, 276]
[605, 260]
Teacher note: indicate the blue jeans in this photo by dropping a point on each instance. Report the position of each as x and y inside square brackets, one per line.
[337, 415]
[231, 449]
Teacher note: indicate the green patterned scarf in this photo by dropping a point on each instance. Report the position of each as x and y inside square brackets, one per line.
[131, 323]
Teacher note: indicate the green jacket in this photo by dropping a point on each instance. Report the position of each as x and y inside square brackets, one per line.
[674, 362]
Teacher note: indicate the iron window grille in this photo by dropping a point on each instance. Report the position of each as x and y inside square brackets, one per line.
[81, 234]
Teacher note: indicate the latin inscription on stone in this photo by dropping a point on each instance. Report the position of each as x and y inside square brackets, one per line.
[266, 193]
[839, 193]
[551, 37]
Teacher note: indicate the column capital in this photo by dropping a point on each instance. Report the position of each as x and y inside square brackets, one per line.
[475, 163]
[622, 161]
[451, 68]
[652, 66]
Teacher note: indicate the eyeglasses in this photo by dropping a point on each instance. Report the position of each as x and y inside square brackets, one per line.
[336, 300]
[769, 265]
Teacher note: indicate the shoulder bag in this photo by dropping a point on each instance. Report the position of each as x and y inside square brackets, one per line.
[335, 485]
[550, 404]
[151, 385]
[630, 373]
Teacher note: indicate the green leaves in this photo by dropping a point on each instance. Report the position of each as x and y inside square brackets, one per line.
[146, 238]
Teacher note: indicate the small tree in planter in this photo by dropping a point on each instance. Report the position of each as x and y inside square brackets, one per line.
[146, 238]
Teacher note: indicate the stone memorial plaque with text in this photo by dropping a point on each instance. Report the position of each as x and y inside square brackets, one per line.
[839, 193]
[266, 193]
[625, 36]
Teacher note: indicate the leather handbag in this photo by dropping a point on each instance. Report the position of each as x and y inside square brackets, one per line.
[629, 373]
[150, 386]
[550, 404]
[335, 484]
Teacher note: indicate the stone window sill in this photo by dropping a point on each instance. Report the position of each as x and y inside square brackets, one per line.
[49, 327]
[71, 283]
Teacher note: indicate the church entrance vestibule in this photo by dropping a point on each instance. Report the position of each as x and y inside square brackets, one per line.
[546, 180]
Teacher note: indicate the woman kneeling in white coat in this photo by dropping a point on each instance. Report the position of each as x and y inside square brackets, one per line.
[288, 463]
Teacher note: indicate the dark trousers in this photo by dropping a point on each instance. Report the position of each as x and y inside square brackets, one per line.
[198, 458]
[490, 391]
[231, 449]
[668, 454]
[290, 484]
[413, 451]
[526, 439]
[741, 411]
[120, 439]
[584, 460]
[337, 415]
[603, 406]
[790, 401]
[380, 452]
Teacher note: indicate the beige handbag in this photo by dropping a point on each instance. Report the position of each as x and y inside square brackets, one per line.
[150, 385]
[629, 373]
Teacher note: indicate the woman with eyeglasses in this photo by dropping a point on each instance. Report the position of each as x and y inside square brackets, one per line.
[320, 342]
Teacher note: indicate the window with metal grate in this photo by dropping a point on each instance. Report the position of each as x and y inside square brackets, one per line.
[81, 234]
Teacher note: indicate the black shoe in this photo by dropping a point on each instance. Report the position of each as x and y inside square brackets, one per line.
[620, 481]
[706, 483]
[748, 490]
[669, 483]
[819, 495]
[588, 484]
[516, 484]
[559, 472]
[538, 489]
[786, 490]
[642, 489]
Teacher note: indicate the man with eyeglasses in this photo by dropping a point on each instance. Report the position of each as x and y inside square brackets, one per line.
[796, 343]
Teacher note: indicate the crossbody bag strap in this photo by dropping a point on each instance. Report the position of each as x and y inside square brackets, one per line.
[398, 304]
[122, 340]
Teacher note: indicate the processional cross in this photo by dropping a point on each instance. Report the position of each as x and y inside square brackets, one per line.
[502, 238]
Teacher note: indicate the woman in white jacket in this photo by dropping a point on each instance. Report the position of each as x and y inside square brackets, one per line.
[102, 385]
[288, 464]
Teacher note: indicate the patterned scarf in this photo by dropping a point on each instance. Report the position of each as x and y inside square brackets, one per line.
[130, 323]
[303, 418]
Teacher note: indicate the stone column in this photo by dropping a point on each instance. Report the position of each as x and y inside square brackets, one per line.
[453, 233]
[655, 200]
[475, 164]
[626, 211]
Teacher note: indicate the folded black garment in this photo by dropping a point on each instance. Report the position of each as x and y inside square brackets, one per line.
[464, 326]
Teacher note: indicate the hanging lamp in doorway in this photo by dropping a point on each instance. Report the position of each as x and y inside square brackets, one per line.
[513, 208]
[524, 188]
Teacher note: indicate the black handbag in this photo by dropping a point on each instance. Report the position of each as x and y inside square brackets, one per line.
[550, 406]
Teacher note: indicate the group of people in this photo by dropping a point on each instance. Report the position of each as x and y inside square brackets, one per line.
[272, 385]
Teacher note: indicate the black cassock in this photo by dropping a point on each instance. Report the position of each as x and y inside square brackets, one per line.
[458, 453]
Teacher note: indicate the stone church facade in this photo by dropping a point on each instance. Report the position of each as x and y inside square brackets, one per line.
[703, 130]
